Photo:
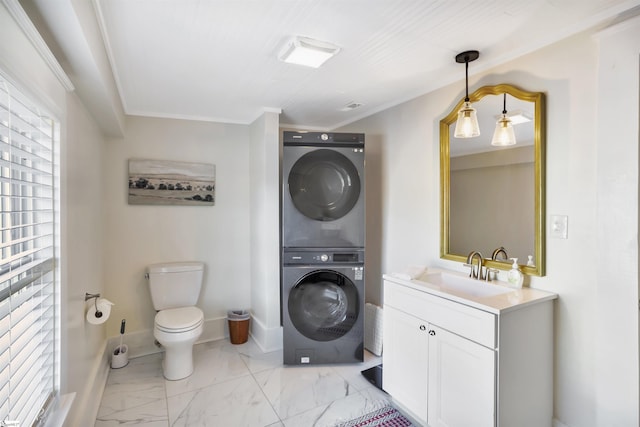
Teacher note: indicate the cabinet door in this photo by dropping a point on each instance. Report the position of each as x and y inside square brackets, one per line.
[404, 360]
[461, 381]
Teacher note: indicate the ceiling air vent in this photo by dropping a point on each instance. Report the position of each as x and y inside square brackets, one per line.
[351, 106]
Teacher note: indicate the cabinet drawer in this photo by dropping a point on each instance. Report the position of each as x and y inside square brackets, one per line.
[469, 322]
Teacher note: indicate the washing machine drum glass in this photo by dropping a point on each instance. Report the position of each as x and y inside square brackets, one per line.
[323, 306]
[324, 185]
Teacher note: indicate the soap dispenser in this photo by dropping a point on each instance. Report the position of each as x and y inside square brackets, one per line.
[515, 277]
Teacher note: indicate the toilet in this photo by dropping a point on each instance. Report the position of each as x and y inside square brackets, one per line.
[175, 288]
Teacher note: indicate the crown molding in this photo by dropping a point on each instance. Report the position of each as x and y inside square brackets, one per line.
[23, 21]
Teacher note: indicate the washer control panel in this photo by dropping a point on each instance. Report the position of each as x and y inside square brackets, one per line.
[310, 257]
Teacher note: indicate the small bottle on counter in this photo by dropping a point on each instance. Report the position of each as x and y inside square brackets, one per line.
[515, 277]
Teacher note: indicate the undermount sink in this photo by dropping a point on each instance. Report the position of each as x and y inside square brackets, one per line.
[458, 284]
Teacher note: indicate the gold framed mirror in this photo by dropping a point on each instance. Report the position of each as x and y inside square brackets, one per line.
[494, 197]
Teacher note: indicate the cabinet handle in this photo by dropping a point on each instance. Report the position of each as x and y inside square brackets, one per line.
[423, 328]
[432, 333]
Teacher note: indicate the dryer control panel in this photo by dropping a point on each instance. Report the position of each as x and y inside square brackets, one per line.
[319, 257]
[323, 138]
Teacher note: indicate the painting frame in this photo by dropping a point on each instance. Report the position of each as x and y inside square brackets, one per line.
[169, 182]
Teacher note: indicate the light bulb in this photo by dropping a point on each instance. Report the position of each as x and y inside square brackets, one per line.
[467, 124]
[503, 135]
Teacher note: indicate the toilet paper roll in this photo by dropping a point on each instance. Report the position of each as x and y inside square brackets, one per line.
[103, 306]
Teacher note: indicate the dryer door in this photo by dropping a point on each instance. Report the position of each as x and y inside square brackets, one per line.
[324, 185]
[324, 305]
[323, 202]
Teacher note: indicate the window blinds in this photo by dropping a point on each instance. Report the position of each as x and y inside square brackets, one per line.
[27, 298]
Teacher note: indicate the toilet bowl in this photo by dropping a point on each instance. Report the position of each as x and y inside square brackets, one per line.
[177, 329]
[175, 288]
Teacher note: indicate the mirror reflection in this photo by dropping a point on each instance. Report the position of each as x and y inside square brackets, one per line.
[492, 195]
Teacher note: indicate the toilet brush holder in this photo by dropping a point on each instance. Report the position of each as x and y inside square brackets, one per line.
[120, 357]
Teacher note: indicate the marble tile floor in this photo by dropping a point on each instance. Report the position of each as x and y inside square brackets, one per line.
[238, 386]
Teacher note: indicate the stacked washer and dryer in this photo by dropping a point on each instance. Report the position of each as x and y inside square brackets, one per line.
[323, 239]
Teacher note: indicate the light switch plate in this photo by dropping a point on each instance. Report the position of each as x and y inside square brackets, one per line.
[558, 227]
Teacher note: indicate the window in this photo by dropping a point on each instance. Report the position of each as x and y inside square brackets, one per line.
[28, 309]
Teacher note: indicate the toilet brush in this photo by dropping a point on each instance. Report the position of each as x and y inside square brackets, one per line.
[122, 326]
[120, 356]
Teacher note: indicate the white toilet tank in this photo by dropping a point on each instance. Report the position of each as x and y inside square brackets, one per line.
[175, 284]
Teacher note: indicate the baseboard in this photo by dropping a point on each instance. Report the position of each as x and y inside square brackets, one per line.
[268, 339]
[61, 410]
[142, 343]
[557, 423]
[88, 402]
[214, 329]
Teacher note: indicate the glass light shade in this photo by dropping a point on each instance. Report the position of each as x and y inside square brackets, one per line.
[467, 124]
[503, 135]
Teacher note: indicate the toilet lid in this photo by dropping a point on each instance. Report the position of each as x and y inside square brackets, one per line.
[179, 319]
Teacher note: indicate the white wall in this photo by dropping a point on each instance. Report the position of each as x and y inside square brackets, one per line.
[138, 235]
[265, 226]
[82, 366]
[83, 356]
[617, 191]
[567, 73]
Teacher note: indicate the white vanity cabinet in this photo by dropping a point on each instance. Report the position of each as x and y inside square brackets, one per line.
[456, 362]
[461, 381]
[405, 365]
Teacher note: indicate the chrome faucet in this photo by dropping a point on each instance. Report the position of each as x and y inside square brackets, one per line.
[489, 273]
[498, 251]
[477, 272]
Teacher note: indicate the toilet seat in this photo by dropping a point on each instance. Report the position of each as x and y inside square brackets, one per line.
[178, 320]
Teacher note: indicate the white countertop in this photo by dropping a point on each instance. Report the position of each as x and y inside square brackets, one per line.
[497, 304]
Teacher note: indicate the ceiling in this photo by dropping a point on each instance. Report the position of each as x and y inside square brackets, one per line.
[216, 60]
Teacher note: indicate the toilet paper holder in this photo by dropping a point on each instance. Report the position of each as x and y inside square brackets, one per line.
[88, 296]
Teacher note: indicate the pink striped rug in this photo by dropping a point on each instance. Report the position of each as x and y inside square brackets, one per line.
[383, 417]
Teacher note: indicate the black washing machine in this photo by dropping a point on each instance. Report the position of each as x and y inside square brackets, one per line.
[323, 204]
[323, 306]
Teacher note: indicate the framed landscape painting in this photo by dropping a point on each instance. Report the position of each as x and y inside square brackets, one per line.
[164, 182]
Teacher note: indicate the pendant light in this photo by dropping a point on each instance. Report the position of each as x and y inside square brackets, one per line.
[467, 124]
[504, 135]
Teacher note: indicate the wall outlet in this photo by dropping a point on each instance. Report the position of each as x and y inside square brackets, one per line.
[558, 227]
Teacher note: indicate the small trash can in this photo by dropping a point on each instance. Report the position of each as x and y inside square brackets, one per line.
[238, 326]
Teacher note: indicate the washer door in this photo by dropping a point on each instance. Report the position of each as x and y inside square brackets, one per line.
[323, 306]
[324, 185]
